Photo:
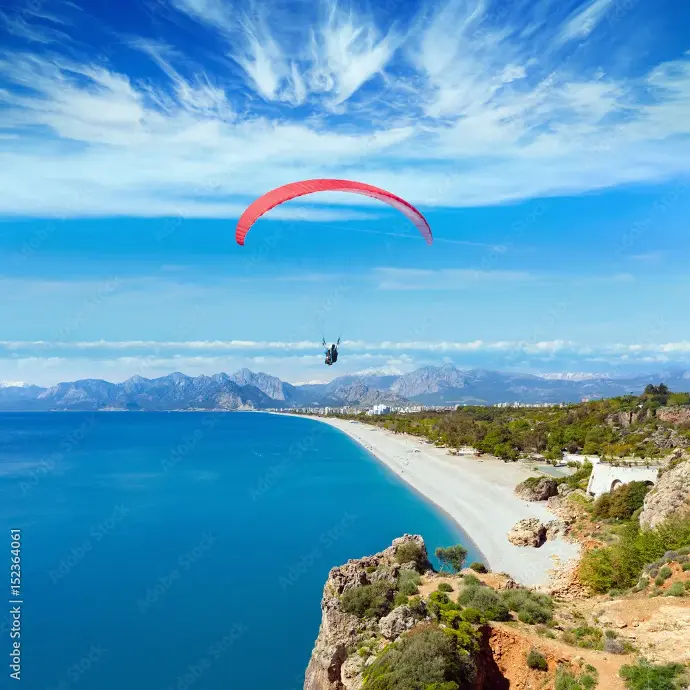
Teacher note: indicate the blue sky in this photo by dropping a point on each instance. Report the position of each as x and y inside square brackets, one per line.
[547, 143]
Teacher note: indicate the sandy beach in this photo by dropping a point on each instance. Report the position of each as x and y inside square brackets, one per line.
[478, 493]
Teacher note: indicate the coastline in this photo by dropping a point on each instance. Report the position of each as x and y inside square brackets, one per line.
[477, 493]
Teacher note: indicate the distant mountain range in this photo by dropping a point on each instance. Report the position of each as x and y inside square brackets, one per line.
[248, 390]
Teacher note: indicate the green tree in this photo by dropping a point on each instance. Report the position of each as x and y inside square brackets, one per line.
[452, 557]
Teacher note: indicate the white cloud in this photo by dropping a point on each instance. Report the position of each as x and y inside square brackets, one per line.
[450, 110]
[444, 279]
[583, 21]
[273, 346]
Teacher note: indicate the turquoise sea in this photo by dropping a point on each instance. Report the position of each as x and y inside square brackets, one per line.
[171, 551]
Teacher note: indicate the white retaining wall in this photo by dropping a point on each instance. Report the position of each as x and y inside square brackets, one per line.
[606, 477]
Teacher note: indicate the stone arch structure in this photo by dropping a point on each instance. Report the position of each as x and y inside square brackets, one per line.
[606, 477]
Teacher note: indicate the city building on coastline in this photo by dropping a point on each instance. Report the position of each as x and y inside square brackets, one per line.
[519, 404]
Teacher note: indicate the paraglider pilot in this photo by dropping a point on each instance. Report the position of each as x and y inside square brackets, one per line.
[331, 353]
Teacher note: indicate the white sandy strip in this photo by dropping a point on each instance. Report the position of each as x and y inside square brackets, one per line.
[478, 493]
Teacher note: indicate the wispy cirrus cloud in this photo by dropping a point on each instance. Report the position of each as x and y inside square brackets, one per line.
[525, 346]
[444, 279]
[446, 107]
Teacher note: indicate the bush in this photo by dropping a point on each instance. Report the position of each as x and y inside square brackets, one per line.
[408, 582]
[588, 637]
[471, 580]
[619, 566]
[565, 680]
[613, 646]
[659, 580]
[536, 660]
[621, 503]
[445, 587]
[665, 572]
[368, 601]
[400, 599]
[424, 658]
[479, 567]
[686, 567]
[676, 590]
[440, 602]
[486, 601]
[531, 607]
[452, 557]
[417, 607]
[646, 676]
[611, 634]
[470, 615]
[687, 584]
[409, 552]
[408, 588]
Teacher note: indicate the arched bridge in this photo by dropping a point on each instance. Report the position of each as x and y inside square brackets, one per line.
[607, 477]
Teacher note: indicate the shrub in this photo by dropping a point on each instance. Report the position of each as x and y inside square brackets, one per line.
[621, 503]
[536, 660]
[400, 599]
[417, 606]
[439, 602]
[408, 588]
[370, 568]
[452, 557]
[619, 565]
[424, 658]
[445, 587]
[588, 637]
[646, 676]
[614, 646]
[676, 590]
[367, 601]
[686, 566]
[665, 572]
[486, 601]
[659, 580]
[409, 552]
[687, 584]
[479, 567]
[408, 582]
[545, 632]
[565, 680]
[531, 607]
[471, 580]
[471, 615]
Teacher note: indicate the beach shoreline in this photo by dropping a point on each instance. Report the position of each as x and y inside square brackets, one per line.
[477, 493]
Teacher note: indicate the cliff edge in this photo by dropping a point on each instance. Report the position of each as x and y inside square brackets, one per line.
[340, 632]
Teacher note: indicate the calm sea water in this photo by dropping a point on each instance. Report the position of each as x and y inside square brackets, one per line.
[173, 551]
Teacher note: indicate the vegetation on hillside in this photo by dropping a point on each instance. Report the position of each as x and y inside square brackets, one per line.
[620, 565]
[589, 428]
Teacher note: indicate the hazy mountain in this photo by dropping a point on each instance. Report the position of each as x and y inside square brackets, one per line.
[245, 389]
[358, 392]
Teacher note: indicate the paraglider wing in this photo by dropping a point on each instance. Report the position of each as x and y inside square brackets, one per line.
[295, 189]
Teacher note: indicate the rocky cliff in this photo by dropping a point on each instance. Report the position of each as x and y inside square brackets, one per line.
[353, 652]
[333, 666]
[670, 496]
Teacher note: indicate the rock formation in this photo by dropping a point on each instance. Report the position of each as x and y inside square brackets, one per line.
[340, 632]
[675, 414]
[670, 496]
[539, 490]
[528, 532]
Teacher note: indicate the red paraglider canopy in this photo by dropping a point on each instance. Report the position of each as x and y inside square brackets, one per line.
[290, 191]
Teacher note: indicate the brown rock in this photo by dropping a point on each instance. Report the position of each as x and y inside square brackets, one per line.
[528, 532]
[537, 491]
